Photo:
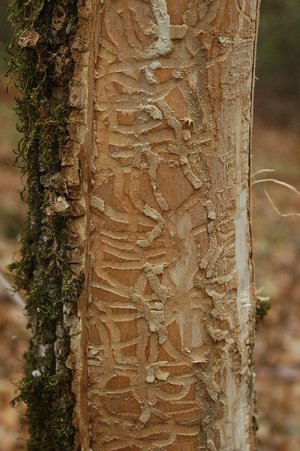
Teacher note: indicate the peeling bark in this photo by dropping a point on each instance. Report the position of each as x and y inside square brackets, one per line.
[163, 354]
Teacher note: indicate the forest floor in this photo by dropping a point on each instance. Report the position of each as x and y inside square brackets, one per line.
[277, 267]
[13, 332]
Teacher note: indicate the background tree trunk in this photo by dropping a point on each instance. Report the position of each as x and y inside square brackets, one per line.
[156, 170]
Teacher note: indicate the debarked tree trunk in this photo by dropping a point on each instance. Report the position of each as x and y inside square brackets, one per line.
[154, 188]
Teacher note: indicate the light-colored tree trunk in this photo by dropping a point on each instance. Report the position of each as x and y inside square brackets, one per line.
[161, 123]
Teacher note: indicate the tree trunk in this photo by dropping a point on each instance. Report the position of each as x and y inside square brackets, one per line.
[156, 169]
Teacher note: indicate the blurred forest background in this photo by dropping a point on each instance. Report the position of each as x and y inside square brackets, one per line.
[276, 145]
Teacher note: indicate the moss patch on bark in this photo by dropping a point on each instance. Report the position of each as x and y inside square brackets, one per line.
[43, 66]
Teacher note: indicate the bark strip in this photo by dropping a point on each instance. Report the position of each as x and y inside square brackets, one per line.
[47, 270]
[162, 111]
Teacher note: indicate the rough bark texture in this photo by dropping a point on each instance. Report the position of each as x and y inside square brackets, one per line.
[161, 124]
[44, 66]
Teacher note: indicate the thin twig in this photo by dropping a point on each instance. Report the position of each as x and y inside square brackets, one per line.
[278, 182]
[275, 208]
[261, 171]
[12, 294]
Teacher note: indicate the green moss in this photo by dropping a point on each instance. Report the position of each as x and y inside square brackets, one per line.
[44, 269]
[262, 308]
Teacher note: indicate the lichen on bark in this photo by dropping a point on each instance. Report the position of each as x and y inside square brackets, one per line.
[43, 66]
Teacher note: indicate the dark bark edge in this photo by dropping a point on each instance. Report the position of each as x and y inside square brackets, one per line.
[43, 66]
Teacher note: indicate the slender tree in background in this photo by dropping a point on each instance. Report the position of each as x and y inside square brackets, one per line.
[137, 253]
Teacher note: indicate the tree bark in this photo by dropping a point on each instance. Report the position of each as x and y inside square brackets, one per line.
[156, 171]
[161, 124]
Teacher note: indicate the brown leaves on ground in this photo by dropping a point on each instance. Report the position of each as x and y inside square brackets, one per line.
[277, 259]
[13, 333]
[13, 343]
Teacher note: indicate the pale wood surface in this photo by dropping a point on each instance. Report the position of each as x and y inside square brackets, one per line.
[162, 101]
